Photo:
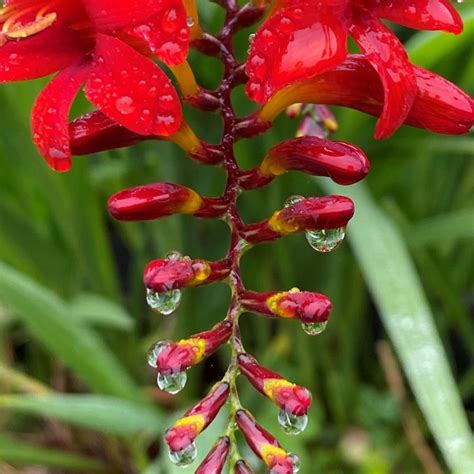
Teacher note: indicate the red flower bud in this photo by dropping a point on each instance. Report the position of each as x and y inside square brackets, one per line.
[165, 275]
[241, 467]
[197, 419]
[179, 356]
[214, 462]
[291, 398]
[264, 445]
[329, 212]
[306, 306]
[152, 201]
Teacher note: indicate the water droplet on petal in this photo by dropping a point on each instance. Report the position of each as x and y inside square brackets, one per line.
[184, 457]
[155, 351]
[173, 256]
[292, 424]
[325, 240]
[172, 383]
[293, 200]
[164, 303]
[313, 329]
[190, 21]
[125, 105]
[251, 38]
[295, 460]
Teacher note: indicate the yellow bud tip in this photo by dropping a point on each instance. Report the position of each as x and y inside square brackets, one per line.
[198, 346]
[270, 167]
[280, 226]
[197, 421]
[270, 386]
[270, 453]
[331, 125]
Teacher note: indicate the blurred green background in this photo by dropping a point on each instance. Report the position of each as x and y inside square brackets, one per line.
[75, 391]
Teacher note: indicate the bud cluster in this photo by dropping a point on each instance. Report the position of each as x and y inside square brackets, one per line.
[108, 55]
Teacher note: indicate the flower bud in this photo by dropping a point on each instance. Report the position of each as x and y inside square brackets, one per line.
[214, 462]
[179, 356]
[264, 445]
[291, 398]
[324, 115]
[241, 467]
[342, 162]
[95, 132]
[310, 128]
[307, 306]
[197, 418]
[153, 201]
[329, 212]
[165, 274]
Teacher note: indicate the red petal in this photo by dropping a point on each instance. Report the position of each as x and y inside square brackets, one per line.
[132, 90]
[296, 43]
[50, 116]
[40, 55]
[166, 33]
[110, 15]
[418, 14]
[388, 57]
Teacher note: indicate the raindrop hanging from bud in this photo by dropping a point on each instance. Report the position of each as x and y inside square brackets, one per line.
[295, 460]
[185, 456]
[164, 303]
[172, 383]
[325, 240]
[292, 424]
[313, 329]
[293, 200]
[155, 352]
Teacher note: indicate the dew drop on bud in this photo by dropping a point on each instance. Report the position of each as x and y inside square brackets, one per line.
[293, 200]
[172, 383]
[164, 303]
[155, 351]
[189, 21]
[173, 256]
[295, 460]
[251, 38]
[313, 329]
[185, 456]
[325, 240]
[292, 424]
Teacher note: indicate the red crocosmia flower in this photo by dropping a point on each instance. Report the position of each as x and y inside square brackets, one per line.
[302, 39]
[102, 44]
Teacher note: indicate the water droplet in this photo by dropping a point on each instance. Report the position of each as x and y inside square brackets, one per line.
[293, 200]
[292, 424]
[184, 457]
[164, 303]
[313, 329]
[295, 460]
[125, 105]
[155, 351]
[251, 38]
[173, 256]
[172, 383]
[190, 21]
[325, 240]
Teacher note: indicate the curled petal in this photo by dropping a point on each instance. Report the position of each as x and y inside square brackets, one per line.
[387, 55]
[181, 355]
[418, 14]
[165, 275]
[292, 398]
[132, 90]
[306, 306]
[153, 201]
[49, 118]
[95, 132]
[263, 444]
[197, 418]
[296, 43]
[214, 462]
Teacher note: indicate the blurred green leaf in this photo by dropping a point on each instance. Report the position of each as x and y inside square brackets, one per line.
[47, 318]
[393, 281]
[101, 413]
[17, 452]
[95, 309]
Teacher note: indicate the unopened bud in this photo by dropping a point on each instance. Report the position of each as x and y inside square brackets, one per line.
[214, 462]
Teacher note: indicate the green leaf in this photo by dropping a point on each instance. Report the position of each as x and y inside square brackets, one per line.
[17, 452]
[47, 317]
[102, 413]
[393, 281]
[95, 309]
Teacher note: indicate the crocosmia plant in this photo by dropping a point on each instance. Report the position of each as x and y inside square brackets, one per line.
[130, 59]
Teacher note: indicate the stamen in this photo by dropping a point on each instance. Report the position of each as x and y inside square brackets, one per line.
[5, 12]
[24, 31]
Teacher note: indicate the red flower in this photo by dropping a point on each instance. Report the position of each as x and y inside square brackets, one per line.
[102, 44]
[308, 37]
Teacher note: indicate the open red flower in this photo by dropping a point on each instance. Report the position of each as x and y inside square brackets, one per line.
[304, 38]
[102, 44]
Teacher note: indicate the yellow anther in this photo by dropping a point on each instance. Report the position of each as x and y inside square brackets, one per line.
[330, 124]
[19, 31]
